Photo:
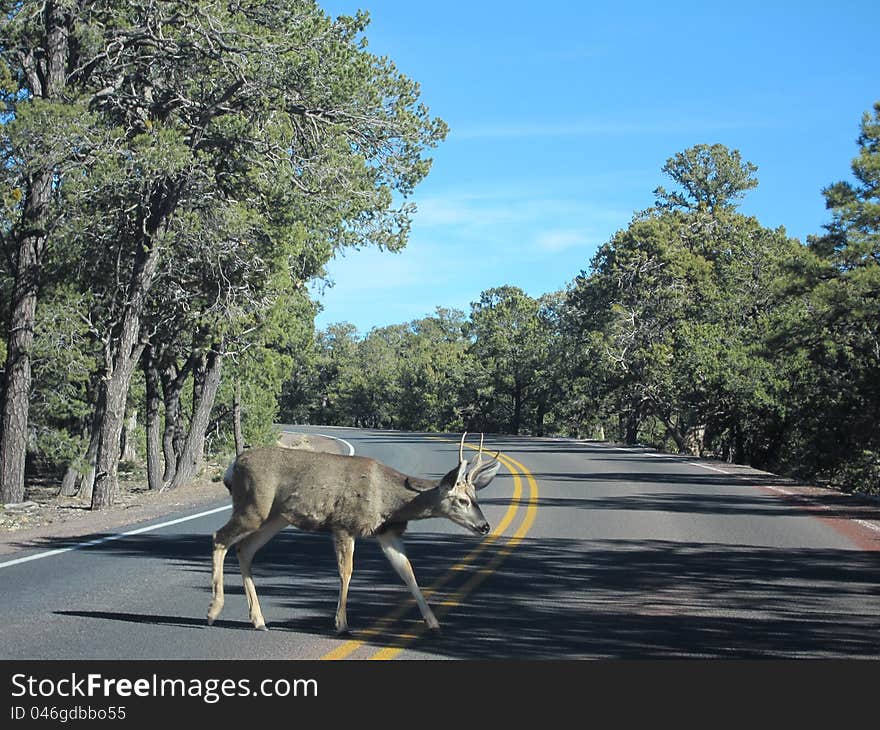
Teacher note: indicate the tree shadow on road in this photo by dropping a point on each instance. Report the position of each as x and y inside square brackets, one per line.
[556, 598]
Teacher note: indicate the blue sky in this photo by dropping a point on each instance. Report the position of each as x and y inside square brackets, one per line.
[562, 113]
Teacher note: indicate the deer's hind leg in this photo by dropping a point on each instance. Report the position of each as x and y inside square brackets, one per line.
[247, 548]
[234, 531]
[344, 544]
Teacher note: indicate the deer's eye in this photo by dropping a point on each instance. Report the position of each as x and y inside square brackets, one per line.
[463, 502]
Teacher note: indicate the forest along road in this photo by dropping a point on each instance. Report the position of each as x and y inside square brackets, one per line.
[597, 551]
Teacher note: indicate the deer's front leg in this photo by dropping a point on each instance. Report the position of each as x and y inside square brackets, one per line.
[344, 544]
[393, 548]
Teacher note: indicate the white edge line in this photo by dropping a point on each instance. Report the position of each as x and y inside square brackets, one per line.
[869, 525]
[711, 468]
[674, 457]
[864, 523]
[335, 438]
[110, 538]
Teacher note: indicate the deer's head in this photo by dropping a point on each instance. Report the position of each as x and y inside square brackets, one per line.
[458, 490]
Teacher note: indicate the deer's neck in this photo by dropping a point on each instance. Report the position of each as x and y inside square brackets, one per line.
[416, 500]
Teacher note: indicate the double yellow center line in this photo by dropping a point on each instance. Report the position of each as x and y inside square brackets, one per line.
[401, 640]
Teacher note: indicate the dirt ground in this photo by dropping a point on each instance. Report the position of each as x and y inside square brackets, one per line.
[44, 517]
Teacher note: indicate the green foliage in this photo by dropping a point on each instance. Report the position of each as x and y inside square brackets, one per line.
[64, 361]
[677, 307]
[696, 329]
[509, 354]
[403, 376]
[833, 329]
[853, 237]
[709, 177]
[207, 165]
[261, 369]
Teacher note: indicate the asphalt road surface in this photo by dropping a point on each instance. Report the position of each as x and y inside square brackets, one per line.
[597, 552]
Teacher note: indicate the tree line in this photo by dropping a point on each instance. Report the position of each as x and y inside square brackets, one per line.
[174, 174]
[695, 329]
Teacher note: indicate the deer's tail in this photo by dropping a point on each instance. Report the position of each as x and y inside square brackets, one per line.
[227, 475]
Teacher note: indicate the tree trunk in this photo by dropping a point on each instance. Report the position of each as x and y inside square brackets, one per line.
[173, 380]
[68, 483]
[192, 456]
[109, 438]
[674, 432]
[122, 355]
[87, 482]
[154, 448]
[517, 410]
[129, 447]
[693, 439]
[14, 431]
[76, 482]
[539, 418]
[236, 418]
[31, 235]
[739, 452]
[171, 395]
[20, 339]
[631, 428]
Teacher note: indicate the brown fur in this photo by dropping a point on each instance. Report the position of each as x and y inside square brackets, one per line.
[318, 491]
[350, 496]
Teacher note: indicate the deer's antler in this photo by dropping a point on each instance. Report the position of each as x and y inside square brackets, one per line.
[479, 457]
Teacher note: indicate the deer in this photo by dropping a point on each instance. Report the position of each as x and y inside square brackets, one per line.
[348, 496]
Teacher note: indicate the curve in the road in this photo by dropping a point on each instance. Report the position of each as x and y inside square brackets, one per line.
[342, 441]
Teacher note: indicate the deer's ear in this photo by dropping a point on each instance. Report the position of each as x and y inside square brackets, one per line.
[484, 475]
[454, 476]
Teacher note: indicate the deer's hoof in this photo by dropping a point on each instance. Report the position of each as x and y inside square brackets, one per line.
[214, 611]
[261, 627]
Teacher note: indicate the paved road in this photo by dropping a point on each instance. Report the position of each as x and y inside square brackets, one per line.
[597, 552]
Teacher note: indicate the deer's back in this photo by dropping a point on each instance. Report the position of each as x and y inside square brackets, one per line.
[313, 490]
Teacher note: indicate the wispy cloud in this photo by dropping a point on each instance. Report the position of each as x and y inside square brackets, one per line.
[479, 212]
[370, 269]
[457, 210]
[562, 240]
[506, 212]
[464, 241]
